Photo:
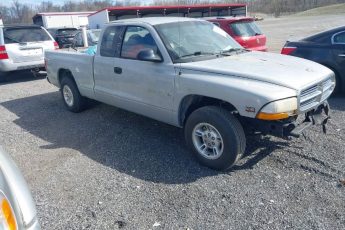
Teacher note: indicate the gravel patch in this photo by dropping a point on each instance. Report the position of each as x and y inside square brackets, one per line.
[107, 168]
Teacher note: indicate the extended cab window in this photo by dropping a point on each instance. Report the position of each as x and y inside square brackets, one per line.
[110, 45]
[137, 39]
[339, 38]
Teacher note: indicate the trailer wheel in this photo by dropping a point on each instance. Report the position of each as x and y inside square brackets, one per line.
[215, 137]
[72, 99]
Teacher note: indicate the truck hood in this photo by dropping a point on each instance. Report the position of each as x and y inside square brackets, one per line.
[292, 72]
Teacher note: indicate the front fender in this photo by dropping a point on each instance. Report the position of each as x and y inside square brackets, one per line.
[246, 95]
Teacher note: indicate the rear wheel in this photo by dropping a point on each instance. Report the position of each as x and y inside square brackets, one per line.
[215, 137]
[72, 99]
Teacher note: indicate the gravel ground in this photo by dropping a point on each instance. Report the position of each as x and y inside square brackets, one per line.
[107, 168]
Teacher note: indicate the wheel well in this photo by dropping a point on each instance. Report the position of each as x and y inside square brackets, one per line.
[191, 103]
[65, 73]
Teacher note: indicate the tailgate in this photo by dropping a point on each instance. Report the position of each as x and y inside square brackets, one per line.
[78, 63]
[30, 51]
[254, 41]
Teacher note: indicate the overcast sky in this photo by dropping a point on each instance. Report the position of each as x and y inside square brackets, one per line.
[37, 2]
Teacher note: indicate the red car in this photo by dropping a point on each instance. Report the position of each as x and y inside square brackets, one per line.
[243, 30]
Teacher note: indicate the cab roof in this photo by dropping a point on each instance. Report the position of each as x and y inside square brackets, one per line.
[156, 20]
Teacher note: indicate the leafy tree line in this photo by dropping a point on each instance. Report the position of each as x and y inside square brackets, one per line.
[22, 13]
[275, 7]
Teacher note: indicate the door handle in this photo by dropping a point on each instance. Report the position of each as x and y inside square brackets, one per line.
[341, 55]
[117, 70]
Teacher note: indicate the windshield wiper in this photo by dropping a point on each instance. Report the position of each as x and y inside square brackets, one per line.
[198, 53]
[232, 50]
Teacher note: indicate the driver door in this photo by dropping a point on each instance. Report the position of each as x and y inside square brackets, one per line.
[145, 87]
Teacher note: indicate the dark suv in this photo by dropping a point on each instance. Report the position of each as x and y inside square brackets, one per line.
[63, 36]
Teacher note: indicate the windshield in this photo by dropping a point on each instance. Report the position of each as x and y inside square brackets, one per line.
[195, 38]
[245, 29]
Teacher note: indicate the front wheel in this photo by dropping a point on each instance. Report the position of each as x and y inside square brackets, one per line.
[215, 137]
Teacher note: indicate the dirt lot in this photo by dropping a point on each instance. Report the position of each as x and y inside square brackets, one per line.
[107, 168]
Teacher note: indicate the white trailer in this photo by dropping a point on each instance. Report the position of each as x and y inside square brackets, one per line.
[98, 19]
[62, 19]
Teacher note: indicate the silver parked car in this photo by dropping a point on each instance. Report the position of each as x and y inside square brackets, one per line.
[23, 47]
[17, 208]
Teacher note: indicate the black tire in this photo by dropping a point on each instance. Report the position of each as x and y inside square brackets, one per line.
[3, 76]
[78, 102]
[338, 85]
[230, 130]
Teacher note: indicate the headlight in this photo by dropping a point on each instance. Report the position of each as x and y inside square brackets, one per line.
[278, 110]
[7, 218]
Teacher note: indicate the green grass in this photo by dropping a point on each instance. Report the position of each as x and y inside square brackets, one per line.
[325, 10]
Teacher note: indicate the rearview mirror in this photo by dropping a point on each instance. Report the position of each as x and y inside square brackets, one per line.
[149, 55]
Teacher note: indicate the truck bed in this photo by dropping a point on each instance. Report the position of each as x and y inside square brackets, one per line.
[80, 64]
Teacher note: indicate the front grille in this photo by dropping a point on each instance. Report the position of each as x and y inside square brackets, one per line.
[328, 87]
[315, 95]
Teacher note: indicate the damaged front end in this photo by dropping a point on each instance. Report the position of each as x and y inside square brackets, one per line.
[292, 126]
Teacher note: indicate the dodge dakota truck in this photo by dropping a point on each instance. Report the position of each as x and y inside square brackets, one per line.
[191, 74]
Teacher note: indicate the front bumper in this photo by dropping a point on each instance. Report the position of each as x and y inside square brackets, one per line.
[292, 127]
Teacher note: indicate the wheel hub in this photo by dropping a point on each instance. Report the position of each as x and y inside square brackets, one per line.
[208, 141]
[68, 95]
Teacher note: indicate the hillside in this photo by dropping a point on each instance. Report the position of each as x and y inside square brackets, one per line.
[326, 10]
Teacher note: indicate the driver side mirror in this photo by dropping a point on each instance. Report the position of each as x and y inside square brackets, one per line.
[149, 55]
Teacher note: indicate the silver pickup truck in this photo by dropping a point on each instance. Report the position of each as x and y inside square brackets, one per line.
[191, 74]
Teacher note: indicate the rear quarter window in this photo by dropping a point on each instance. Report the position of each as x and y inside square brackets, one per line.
[111, 42]
[339, 38]
[23, 35]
